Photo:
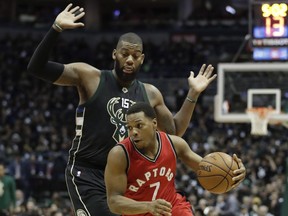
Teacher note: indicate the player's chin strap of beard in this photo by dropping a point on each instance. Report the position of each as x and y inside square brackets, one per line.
[124, 77]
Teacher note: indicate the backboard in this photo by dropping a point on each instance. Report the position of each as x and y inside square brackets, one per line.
[241, 86]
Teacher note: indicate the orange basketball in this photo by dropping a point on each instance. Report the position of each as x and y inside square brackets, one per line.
[215, 172]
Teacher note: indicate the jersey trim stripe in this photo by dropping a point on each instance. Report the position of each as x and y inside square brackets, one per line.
[158, 150]
[172, 145]
[80, 114]
[127, 156]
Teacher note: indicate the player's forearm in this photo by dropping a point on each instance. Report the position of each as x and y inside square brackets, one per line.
[39, 65]
[183, 117]
[127, 206]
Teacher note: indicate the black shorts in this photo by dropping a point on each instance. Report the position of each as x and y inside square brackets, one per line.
[87, 191]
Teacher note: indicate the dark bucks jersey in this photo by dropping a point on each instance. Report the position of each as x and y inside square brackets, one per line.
[100, 122]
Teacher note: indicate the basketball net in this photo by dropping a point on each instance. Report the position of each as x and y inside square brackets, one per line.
[259, 119]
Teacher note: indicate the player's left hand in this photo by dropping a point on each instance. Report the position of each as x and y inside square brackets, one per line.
[239, 173]
[203, 79]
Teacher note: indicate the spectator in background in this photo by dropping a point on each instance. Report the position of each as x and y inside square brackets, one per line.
[7, 192]
[20, 170]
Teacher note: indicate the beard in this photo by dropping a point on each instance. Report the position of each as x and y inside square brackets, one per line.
[125, 77]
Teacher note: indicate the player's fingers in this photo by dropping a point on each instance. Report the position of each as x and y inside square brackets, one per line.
[235, 185]
[165, 203]
[191, 74]
[202, 69]
[209, 71]
[68, 7]
[79, 14]
[80, 24]
[73, 10]
[165, 214]
[239, 175]
[212, 78]
[235, 157]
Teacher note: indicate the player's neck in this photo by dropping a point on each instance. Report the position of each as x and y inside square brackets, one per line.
[153, 150]
[122, 83]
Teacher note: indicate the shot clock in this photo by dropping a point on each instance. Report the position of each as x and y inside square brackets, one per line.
[269, 30]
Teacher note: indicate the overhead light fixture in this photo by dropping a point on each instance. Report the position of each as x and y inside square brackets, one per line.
[230, 9]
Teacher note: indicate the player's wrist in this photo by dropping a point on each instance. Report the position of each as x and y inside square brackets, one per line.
[191, 100]
[57, 27]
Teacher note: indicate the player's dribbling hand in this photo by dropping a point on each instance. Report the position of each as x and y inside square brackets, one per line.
[160, 207]
[240, 173]
[68, 17]
[203, 79]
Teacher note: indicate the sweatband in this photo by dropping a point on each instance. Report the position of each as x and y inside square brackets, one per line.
[39, 65]
[191, 100]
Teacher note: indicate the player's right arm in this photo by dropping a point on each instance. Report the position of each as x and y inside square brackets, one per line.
[85, 77]
[116, 185]
[54, 72]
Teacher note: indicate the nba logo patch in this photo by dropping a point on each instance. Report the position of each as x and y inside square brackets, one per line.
[78, 173]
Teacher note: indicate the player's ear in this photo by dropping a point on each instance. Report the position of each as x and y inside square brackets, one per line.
[114, 54]
[142, 58]
[154, 121]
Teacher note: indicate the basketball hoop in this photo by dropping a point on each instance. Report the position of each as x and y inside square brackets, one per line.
[259, 119]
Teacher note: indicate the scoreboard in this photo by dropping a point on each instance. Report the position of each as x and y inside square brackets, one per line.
[269, 30]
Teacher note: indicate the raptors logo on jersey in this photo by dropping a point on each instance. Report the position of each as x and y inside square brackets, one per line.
[150, 176]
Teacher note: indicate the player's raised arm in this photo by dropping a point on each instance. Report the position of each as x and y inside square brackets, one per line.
[39, 65]
[179, 123]
[196, 86]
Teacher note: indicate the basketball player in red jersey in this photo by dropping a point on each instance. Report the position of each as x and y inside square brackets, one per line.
[140, 171]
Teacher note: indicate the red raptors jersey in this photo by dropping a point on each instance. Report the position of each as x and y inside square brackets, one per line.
[150, 179]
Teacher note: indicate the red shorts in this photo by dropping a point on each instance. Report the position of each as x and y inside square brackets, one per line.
[182, 207]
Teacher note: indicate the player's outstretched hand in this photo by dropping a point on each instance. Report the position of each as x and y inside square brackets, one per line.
[160, 207]
[240, 173]
[203, 79]
[68, 17]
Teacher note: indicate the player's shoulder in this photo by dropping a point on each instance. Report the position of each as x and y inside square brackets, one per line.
[83, 67]
[152, 90]
[150, 87]
[117, 152]
[177, 141]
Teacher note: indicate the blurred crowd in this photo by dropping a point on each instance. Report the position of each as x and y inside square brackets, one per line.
[37, 127]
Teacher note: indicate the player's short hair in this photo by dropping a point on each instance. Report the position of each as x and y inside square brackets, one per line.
[142, 107]
[130, 37]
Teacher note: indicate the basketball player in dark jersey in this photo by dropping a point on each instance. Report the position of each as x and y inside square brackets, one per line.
[104, 97]
[140, 171]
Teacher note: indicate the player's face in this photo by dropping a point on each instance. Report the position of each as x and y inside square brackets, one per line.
[128, 60]
[141, 130]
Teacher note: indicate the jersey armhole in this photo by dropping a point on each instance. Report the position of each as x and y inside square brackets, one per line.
[144, 93]
[97, 92]
[126, 155]
[172, 145]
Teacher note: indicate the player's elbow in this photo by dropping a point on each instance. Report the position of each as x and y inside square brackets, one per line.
[113, 206]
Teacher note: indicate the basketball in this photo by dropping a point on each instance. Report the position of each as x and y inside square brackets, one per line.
[215, 172]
